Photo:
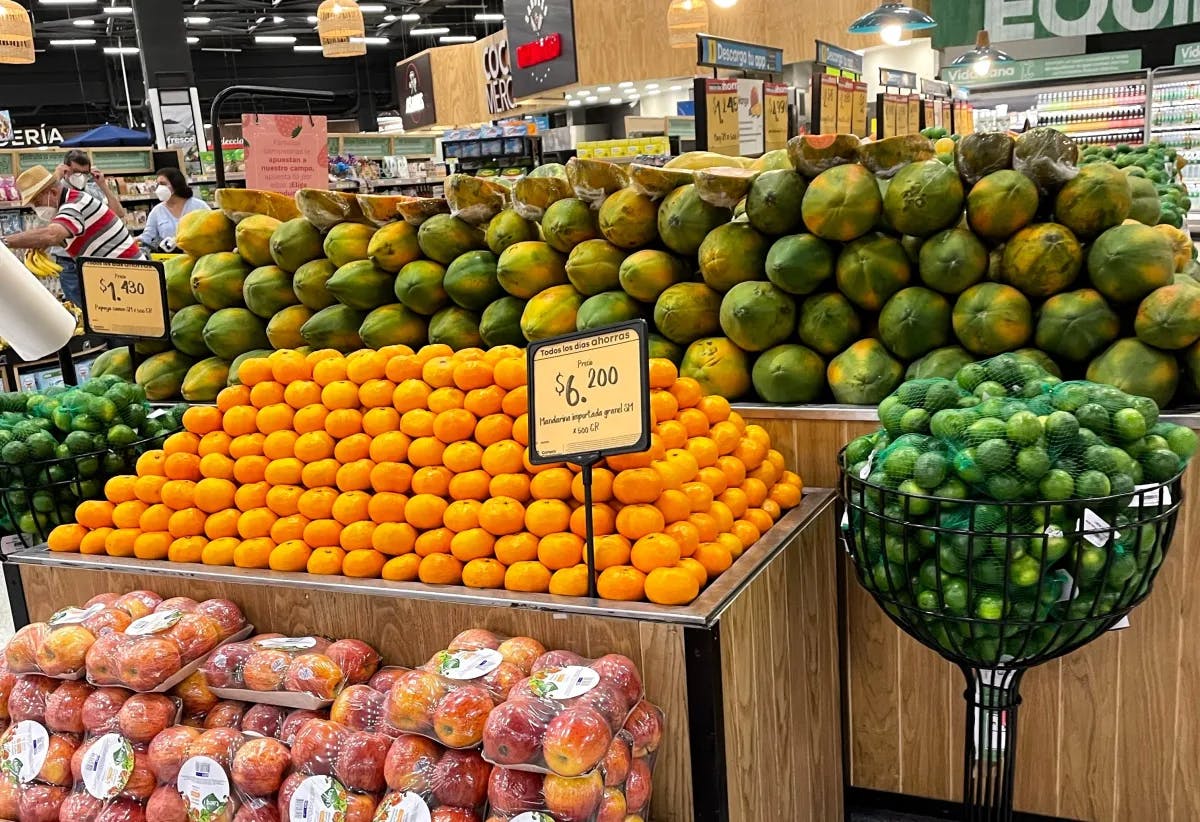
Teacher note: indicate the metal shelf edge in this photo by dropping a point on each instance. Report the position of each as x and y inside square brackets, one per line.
[704, 612]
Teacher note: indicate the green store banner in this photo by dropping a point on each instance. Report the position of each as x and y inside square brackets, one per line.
[1005, 20]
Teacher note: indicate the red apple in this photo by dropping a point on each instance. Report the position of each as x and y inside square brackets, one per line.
[56, 769]
[226, 614]
[573, 798]
[474, 639]
[264, 720]
[522, 691]
[148, 662]
[166, 805]
[286, 790]
[513, 732]
[195, 694]
[141, 781]
[460, 716]
[461, 779]
[64, 650]
[224, 668]
[184, 605]
[10, 800]
[316, 746]
[576, 741]
[513, 792]
[260, 765]
[386, 677]
[123, 809]
[553, 660]
[145, 716]
[100, 710]
[103, 659]
[314, 674]
[410, 764]
[78, 807]
[169, 750]
[28, 698]
[638, 785]
[64, 707]
[195, 634]
[448, 814]
[608, 701]
[521, 651]
[360, 807]
[612, 806]
[413, 699]
[645, 728]
[40, 803]
[109, 619]
[225, 714]
[21, 652]
[358, 660]
[359, 707]
[615, 766]
[295, 721]
[218, 744]
[360, 763]
[138, 603]
[500, 681]
[107, 600]
[620, 672]
[7, 681]
[257, 813]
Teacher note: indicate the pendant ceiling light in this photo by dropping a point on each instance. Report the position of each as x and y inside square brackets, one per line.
[340, 26]
[686, 19]
[981, 58]
[16, 34]
[891, 20]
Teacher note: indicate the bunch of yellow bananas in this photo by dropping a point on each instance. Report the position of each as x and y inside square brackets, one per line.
[41, 264]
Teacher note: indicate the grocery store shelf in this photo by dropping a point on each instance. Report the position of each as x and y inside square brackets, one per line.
[1185, 127]
[703, 612]
[1177, 104]
[1053, 109]
[1133, 132]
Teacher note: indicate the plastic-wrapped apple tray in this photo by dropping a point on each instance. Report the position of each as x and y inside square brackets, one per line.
[284, 699]
[187, 670]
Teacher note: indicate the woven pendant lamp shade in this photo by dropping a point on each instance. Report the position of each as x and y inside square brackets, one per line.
[340, 26]
[16, 34]
[686, 19]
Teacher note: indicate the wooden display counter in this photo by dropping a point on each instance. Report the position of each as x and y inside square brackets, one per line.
[1110, 732]
[747, 674]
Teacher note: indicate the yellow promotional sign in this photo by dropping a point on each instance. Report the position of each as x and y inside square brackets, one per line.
[776, 125]
[721, 124]
[829, 105]
[124, 298]
[589, 394]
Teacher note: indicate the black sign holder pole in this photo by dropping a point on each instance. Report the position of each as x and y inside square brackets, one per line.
[252, 91]
[586, 462]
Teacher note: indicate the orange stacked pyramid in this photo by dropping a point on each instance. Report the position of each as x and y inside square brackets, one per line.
[413, 466]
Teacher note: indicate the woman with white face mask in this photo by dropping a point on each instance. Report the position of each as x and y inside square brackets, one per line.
[175, 198]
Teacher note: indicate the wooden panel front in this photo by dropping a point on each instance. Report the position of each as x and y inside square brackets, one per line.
[1110, 732]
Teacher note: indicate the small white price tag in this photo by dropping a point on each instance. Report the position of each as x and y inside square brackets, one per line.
[1120, 624]
[1069, 591]
[1091, 521]
[1151, 495]
[1053, 531]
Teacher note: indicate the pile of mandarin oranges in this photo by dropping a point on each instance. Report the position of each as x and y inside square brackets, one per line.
[412, 465]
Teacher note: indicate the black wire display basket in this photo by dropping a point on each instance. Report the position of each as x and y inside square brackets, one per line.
[41, 494]
[997, 588]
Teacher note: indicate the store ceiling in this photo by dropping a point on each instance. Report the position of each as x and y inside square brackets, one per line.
[236, 23]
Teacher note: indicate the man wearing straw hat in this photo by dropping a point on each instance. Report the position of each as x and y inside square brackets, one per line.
[76, 219]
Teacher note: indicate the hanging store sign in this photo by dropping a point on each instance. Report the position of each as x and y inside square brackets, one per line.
[414, 89]
[1008, 20]
[12, 136]
[286, 152]
[541, 39]
[497, 76]
[897, 79]
[737, 56]
[1047, 68]
[839, 58]
[1187, 54]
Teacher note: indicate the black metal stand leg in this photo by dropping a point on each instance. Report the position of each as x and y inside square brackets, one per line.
[990, 748]
[16, 595]
[706, 724]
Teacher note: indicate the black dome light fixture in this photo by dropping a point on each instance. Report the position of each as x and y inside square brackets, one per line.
[981, 58]
[891, 20]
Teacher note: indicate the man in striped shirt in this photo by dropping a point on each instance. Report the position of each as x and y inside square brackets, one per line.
[84, 224]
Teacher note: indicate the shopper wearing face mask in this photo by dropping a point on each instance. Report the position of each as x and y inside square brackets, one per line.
[175, 199]
[77, 172]
[86, 226]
